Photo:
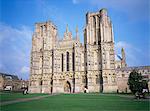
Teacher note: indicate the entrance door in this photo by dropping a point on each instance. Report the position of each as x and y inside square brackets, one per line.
[67, 87]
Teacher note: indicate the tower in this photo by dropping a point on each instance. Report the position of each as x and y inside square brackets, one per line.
[99, 52]
[123, 60]
[43, 41]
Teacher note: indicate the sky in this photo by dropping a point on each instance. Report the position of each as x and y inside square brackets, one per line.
[130, 18]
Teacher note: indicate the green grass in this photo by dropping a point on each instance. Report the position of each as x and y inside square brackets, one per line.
[13, 96]
[80, 102]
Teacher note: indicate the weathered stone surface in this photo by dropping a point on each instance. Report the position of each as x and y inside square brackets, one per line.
[69, 66]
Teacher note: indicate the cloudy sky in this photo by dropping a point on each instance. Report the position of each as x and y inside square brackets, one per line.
[17, 18]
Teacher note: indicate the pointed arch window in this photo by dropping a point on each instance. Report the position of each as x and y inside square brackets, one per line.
[73, 61]
[67, 61]
[62, 62]
[97, 80]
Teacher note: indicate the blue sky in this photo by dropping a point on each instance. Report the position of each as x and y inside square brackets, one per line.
[130, 19]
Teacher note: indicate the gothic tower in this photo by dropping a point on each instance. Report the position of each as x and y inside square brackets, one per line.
[99, 52]
[123, 60]
[43, 41]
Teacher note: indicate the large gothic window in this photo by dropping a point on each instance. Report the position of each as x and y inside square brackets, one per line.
[62, 62]
[67, 61]
[94, 21]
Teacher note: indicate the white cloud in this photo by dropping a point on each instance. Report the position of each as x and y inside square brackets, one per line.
[122, 44]
[15, 47]
[25, 69]
[128, 48]
[134, 55]
[1, 65]
[74, 1]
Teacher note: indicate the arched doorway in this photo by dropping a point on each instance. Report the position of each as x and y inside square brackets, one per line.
[67, 87]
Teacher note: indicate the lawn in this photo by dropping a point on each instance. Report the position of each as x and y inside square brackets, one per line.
[80, 102]
[7, 96]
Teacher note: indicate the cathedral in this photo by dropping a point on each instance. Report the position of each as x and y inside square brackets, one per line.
[68, 66]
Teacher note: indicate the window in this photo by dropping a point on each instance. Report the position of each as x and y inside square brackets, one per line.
[41, 31]
[123, 75]
[97, 80]
[105, 79]
[73, 62]
[83, 79]
[41, 82]
[67, 61]
[94, 21]
[118, 66]
[85, 46]
[113, 79]
[8, 77]
[62, 62]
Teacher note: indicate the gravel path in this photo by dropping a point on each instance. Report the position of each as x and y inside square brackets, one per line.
[24, 100]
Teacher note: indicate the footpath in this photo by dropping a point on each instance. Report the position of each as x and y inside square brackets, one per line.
[24, 100]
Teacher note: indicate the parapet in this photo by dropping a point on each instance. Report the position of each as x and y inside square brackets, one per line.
[44, 26]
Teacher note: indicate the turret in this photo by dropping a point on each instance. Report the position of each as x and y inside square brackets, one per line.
[67, 34]
[103, 12]
[123, 61]
[77, 35]
[67, 30]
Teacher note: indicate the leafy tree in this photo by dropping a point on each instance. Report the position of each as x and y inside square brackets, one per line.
[136, 83]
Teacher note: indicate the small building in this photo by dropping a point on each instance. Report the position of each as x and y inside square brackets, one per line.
[123, 75]
[11, 82]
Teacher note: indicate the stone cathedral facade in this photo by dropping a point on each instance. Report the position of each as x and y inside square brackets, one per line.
[67, 65]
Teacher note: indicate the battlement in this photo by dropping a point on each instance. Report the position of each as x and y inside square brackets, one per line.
[103, 11]
[44, 26]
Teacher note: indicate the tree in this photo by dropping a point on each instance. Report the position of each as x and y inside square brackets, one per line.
[136, 83]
